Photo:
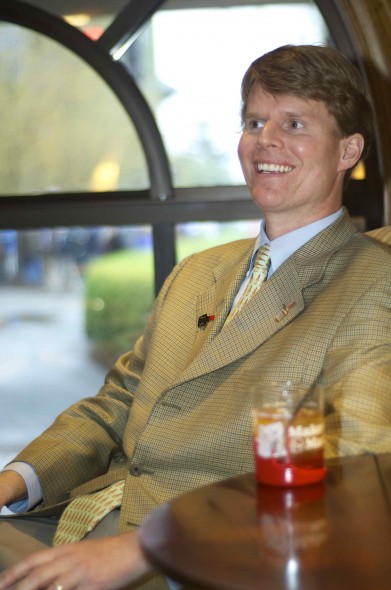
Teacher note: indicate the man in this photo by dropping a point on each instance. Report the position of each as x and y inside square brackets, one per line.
[174, 413]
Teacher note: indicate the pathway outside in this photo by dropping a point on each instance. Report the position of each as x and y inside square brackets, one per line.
[45, 361]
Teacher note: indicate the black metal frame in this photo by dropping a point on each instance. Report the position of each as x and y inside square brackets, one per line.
[70, 209]
[160, 205]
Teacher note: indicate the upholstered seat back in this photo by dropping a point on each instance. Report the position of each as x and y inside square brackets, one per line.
[382, 234]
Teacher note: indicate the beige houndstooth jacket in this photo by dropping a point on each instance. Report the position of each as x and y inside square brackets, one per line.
[174, 413]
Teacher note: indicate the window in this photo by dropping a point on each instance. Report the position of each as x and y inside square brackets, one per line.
[63, 129]
[71, 300]
[193, 61]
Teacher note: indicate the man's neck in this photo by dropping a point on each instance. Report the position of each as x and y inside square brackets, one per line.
[279, 225]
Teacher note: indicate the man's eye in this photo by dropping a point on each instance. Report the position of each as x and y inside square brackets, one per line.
[294, 124]
[253, 124]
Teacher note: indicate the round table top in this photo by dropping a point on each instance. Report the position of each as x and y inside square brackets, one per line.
[236, 535]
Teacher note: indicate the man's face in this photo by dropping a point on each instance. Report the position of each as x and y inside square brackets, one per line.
[292, 158]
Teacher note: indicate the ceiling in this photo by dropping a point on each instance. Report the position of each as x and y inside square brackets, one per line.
[101, 7]
[93, 7]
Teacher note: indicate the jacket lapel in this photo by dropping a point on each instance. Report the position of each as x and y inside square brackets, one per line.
[277, 303]
[269, 311]
[217, 300]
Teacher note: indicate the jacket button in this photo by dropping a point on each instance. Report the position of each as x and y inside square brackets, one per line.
[135, 470]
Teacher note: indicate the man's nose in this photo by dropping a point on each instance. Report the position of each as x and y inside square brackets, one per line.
[269, 135]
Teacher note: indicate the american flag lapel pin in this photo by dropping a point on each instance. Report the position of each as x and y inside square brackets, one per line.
[204, 319]
[285, 310]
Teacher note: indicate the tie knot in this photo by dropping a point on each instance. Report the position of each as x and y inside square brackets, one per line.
[262, 258]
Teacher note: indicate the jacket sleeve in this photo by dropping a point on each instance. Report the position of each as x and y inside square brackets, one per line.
[86, 439]
[357, 377]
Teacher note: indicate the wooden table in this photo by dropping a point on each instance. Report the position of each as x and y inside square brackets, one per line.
[235, 535]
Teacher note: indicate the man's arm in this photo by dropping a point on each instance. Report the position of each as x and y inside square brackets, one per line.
[12, 488]
[34, 490]
[357, 377]
[82, 442]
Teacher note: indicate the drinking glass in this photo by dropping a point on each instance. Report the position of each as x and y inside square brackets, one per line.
[288, 422]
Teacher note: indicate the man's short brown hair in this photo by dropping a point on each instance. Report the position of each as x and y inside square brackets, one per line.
[318, 73]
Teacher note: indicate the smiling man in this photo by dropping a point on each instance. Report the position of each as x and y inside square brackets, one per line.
[293, 159]
[294, 151]
[175, 412]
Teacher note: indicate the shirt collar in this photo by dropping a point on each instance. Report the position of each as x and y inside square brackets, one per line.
[284, 246]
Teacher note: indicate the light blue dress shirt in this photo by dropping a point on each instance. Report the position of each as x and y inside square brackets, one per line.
[280, 250]
[283, 247]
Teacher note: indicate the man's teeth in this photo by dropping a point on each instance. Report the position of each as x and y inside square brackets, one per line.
[273, 168]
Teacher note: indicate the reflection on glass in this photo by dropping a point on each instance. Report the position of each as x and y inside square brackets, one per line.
[292, 526]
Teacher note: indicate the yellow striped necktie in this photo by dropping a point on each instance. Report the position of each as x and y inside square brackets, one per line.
[257, 278]
[84, 513]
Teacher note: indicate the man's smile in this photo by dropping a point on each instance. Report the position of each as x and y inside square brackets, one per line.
[263, 167]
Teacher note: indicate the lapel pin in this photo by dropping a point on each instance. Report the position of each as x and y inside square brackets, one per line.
[285, 310]
[204, 319]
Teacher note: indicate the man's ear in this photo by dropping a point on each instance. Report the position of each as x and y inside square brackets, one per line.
[352, 149]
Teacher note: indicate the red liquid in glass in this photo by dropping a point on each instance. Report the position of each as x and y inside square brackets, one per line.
[288, 453]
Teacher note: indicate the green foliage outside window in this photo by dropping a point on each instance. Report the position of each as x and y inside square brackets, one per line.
[118, 297]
